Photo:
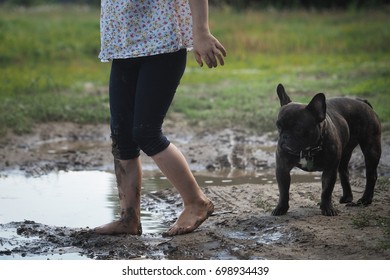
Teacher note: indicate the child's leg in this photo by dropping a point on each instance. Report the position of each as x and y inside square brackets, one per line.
[197, 207]
[128, 175]
[158, 80]
[122, 89]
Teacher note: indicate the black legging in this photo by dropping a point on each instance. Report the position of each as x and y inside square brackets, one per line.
[141, 91]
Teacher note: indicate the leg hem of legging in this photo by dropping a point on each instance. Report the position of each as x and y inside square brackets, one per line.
[126, 157]
[159, 149]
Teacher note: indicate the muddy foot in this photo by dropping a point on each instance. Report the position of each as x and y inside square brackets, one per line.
[119, 227]
[190, 219]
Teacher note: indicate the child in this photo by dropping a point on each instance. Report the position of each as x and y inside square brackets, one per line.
[147, 42]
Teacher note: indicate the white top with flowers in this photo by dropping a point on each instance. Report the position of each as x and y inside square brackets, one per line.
[134, 28]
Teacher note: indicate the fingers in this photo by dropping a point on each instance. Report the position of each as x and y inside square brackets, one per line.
[214, 58]
[211, 58]
[219, 56]
[211, 61]
[218, 53]
[221, 48]
[198, 58]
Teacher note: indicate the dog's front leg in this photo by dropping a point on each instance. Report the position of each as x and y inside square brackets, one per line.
[329, 177]
[284, 179]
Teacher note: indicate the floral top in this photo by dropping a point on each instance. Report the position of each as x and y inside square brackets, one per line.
[133, 28]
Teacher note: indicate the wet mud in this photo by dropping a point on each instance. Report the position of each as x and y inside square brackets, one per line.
[240, 228]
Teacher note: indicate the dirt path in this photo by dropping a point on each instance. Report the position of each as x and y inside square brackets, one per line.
[242, 227]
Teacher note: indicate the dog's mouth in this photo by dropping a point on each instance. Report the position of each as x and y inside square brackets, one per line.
[290, 150]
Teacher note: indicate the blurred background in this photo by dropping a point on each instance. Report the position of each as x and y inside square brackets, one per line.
[49, 70]
[50, 76]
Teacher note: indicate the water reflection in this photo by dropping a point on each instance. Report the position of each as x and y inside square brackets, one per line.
[72, 199]
[90, 198]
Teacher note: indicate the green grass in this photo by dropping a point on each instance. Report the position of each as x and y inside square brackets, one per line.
[50, 70]
[49, 67]
[340, 54]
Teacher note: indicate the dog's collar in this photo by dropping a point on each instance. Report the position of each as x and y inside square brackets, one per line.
[306, 156]
[311, 152]
[308, 152]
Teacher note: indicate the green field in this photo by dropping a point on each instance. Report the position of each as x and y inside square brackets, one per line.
[50, 70]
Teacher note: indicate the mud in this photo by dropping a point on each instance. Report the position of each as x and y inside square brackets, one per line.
[241, 228]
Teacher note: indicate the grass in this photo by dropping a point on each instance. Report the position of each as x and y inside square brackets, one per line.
[367, 218]
[50, 70]
[336, 53]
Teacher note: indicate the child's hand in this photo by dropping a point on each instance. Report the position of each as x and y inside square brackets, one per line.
[208, 49]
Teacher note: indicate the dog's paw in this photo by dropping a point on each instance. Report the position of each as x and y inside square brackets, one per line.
[328, 210]
[364, 201]
[280, 210]
[346, 199]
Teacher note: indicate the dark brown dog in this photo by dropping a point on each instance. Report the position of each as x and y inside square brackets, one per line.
[321, 136]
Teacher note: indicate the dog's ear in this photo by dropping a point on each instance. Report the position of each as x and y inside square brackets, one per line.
[317, 107]
[283, 97]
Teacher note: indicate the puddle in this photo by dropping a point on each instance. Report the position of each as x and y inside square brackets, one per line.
[71, 199]
[75, 199]
[90, 198]
[80, 199]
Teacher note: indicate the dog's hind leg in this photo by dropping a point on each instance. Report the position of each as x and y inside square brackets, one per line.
[372, 153]
[344, 173]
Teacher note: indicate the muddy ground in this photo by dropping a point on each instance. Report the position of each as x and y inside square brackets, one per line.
[241, 228]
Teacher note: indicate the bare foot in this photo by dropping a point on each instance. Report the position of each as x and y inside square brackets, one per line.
[129, 223]
[119, 227]
[191, 218]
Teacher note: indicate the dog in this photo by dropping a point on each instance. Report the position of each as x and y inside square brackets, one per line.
[321, 136]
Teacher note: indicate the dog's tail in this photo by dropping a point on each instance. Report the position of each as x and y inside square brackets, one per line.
[365, 101]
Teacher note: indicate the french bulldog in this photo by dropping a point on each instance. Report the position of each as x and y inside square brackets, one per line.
[321, 136]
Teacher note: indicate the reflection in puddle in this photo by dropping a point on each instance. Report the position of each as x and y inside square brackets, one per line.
[90, 198]
[71, 199]
[80, 199]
